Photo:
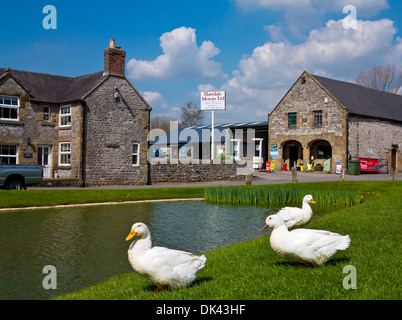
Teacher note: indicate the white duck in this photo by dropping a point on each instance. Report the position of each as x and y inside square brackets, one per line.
[307, 246]
[167, 268]
[296, 217]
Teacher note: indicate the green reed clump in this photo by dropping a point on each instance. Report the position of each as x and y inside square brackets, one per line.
[278, 195]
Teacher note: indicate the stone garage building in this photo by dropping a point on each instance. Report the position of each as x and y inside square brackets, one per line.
[321, 118]
[88, 130]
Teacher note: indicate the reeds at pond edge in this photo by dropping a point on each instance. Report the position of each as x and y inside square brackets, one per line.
[273, 195]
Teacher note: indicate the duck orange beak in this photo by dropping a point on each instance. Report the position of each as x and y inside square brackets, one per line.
[312, 201]
[131, 235]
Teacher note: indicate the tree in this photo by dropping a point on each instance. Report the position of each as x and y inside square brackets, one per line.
[161, 122]
[387, 78]
[191, 115]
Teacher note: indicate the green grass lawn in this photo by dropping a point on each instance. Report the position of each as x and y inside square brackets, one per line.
[250, 270]
[32, 198]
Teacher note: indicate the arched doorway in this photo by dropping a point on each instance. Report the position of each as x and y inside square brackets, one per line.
[292, 151]
[320, 149]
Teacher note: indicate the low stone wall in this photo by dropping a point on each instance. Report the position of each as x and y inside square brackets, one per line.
[59, 182]
[195, 172]
[177, 173]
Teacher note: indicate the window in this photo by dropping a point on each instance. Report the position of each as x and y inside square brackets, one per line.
[135, 154]
[9, 108]
[65, 116]
[317, 118]
[8, 154]
[46, 114]
[65, 153]
[292, 119]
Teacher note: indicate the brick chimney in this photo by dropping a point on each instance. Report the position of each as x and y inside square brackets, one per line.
[115, 60]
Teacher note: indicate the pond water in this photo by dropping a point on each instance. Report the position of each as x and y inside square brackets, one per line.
[87, 244]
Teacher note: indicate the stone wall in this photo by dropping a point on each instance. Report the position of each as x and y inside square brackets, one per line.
[303, 98]
[72, 134]
[112, 125]
[195, 172]
[58, 182]
[374, 138]
[30, 131]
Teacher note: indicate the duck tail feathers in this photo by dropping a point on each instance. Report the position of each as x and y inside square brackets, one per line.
[344, 243]
[203, 260]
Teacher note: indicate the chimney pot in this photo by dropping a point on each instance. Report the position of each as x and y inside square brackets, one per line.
[114, 60]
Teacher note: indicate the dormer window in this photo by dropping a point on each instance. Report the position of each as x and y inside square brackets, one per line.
[9, 108]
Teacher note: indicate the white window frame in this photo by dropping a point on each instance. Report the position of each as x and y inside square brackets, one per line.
[46, 114]
[66, 153]
[8, 155]
[10, 106]
[133, 154]
[62, 116]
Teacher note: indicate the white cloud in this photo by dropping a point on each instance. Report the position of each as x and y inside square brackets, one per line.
[364, 8]
[206, 87]
[328, 48]
[251, 5]
[182, 58]
[265, 76]
[301, 16]
[160, 107]
[155, 100]
[275, 33]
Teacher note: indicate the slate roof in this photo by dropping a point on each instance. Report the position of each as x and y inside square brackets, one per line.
[363, 101]
[183, 138]
[55, 89]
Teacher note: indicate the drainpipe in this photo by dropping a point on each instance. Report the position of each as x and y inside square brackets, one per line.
[83, 149]
[347, 140]
[149, 178]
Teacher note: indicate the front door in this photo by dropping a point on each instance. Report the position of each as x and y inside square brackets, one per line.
[393, 159]
[44, 153]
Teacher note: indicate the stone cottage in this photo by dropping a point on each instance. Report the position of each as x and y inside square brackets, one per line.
[321, 118]
[87, 131]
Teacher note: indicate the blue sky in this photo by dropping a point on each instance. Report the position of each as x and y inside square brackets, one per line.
[252, 49]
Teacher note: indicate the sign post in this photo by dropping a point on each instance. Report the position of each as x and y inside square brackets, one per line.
[211, 101]
[213, 135]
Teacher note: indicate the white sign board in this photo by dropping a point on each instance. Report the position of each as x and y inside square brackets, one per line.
[213, 100]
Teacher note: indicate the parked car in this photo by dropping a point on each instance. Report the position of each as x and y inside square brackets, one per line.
[17, 177]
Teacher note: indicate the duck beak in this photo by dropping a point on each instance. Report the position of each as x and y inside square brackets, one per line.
[131, 235]
[312, 201]
[263, 227]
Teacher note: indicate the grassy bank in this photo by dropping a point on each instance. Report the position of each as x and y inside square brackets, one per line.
[250, 270]
[34, 198]
[49, 197]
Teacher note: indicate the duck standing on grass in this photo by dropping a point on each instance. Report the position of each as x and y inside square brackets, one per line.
[296, 217]
[167, 268]
[307, 246]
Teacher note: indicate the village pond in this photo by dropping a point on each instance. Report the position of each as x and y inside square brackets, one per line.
[86, 245]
